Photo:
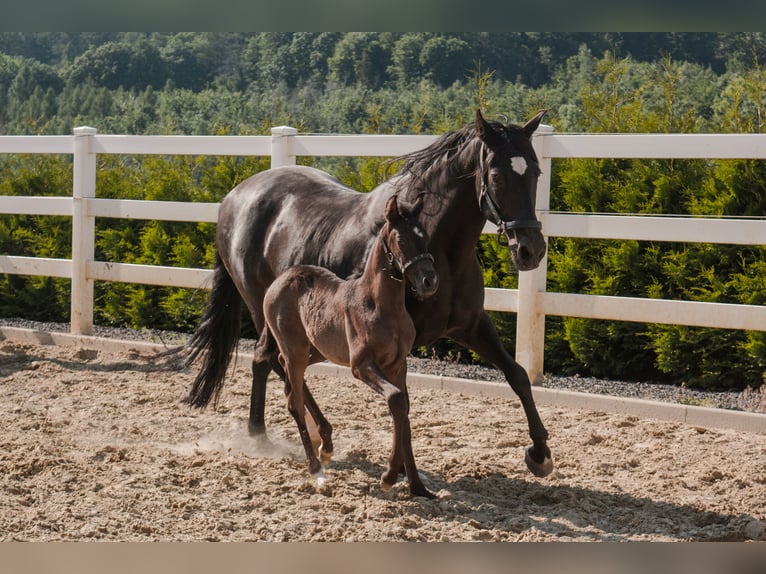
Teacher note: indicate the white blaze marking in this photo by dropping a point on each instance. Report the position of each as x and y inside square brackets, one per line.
[519, 164]
[418, 231]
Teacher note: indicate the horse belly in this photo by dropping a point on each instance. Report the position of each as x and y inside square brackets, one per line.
[325, 326]
[331, 344]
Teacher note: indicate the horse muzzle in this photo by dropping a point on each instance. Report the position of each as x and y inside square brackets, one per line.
[527, 248]
[425, 285]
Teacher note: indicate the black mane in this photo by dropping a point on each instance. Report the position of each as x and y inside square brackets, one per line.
[446, 149]
[417, 163]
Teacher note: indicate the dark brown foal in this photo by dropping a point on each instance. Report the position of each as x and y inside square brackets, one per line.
[360, 322]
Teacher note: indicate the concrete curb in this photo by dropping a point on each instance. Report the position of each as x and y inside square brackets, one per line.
[698, 416]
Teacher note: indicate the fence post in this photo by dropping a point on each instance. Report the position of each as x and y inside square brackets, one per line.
[280, 146]
[83, 231]
[530, 319]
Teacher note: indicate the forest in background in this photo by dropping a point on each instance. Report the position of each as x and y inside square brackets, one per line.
[347, 82]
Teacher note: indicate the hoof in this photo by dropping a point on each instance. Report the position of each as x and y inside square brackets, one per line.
[263, 443]
[257, 432]
[424, 492]
[539, 469]
[386, 486]
[325, 457]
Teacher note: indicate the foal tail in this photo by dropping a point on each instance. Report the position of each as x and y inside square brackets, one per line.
[215, 338]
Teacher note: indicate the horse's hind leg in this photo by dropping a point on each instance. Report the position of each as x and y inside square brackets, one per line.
[264, 361]
[294, 358]
[295, 392]
[256, 425]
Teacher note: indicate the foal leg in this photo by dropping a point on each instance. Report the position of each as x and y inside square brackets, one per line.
[401, 452]
[295, 392]
[482, 338]
[264, 361]
[321, 433]
[319, 428]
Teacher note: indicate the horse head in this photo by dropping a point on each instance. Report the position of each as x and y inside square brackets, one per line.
[406, 244]
[507, 184]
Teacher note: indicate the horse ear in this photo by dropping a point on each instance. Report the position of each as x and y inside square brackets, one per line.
[392, 209]
[485, 131]
[530, 127]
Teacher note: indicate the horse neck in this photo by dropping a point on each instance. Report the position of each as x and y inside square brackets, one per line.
[376, 278]
[451, 210]
[461, 218]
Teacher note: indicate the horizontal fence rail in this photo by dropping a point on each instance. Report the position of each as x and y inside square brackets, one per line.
[530, 301]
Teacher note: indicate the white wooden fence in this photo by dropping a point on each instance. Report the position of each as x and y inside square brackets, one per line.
[530, 301]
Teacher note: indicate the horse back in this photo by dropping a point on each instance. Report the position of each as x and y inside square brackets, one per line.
[290, 216]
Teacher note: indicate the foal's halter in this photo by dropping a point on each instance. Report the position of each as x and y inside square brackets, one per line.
[398, 268]
[491, 210]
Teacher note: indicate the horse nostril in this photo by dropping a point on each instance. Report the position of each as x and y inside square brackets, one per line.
[430, 284]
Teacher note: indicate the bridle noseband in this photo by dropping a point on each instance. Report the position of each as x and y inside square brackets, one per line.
[491, 210]
[398, 269]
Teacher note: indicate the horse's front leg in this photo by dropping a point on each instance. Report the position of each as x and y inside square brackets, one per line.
[320, 429]
[482, 337]
[401, 450]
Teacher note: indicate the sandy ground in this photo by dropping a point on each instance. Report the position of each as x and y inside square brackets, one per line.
[97, 446]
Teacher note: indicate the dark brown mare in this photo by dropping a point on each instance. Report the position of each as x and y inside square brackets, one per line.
[363, 323]
[295, 215]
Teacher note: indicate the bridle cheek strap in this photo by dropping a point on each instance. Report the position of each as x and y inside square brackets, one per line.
[398, 269]
[420, 257]
[491, 211]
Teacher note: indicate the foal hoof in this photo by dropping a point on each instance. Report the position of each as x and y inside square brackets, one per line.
[325, 457]
[386, 486]
[539, 469]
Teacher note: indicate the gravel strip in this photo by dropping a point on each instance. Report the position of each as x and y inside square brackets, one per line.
[748, 400]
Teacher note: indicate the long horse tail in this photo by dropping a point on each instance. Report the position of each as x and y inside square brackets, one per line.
[215, 338]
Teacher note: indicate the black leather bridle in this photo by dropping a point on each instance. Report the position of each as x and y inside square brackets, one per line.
[491, 211]
[398, 268]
